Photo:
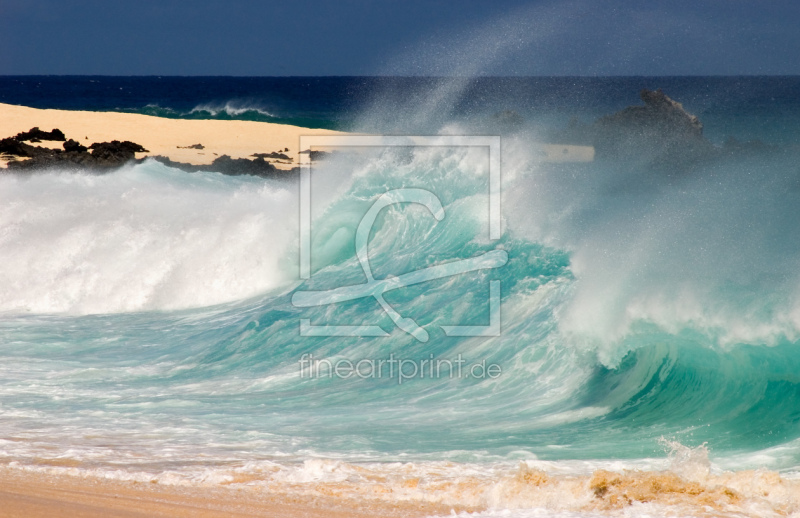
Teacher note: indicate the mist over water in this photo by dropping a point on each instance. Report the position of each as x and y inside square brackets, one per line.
[714, 248]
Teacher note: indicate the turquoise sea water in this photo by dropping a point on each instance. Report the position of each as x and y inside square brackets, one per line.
[147, 330]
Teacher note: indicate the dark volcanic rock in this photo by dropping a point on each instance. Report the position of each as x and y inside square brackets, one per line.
[56, 158]
[659, 114]
[37, 135]
[273, 155]
[72, 145]
[238, 166]
[193, 146]
[232, 167]
[659, 133]
[317, 155]
[104, 155]
[12, 146]
[183, 166]
[114, 153]
[115, 146]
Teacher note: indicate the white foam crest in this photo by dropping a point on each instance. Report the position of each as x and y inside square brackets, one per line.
[690, 463]
[143, 238]
[233, 108]
[709, 252]
[155, 106]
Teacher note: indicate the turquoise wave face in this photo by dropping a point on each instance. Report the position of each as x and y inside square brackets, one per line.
[161, 384]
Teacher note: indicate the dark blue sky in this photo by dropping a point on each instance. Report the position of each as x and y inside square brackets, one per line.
[410, 37]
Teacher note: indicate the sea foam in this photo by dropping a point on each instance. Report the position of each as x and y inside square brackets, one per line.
[144, 237]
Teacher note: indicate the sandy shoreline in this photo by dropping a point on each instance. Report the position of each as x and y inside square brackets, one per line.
[161, 136]
[173, 138]
[39, 494]
[35, 495]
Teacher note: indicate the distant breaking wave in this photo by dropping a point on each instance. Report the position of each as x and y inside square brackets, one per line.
[232, 109]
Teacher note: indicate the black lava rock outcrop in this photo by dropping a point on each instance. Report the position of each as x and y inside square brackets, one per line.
[115, 153]
[37, 135]
[239, 166]
[318, 155]
[659, 133]
[12, 146]
[231, 167]
[72, 145]
[103, 155]
[274, 155]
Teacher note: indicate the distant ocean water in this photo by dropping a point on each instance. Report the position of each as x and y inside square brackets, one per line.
[743, 107]
[649, 321]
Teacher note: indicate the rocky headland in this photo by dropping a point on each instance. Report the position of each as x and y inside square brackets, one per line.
[661, 134]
